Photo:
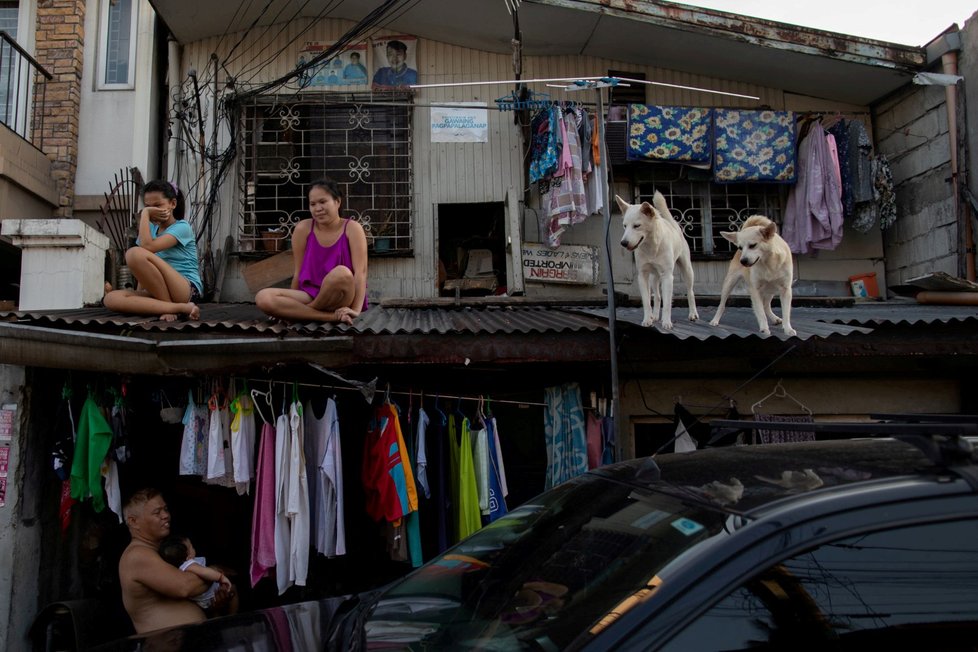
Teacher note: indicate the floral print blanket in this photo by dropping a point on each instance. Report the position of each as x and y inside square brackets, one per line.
[754, 146]
[669, 133]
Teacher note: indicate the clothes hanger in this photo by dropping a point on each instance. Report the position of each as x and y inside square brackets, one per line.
[458, 411]
[441, 415]
[780, 392]
[255, 394]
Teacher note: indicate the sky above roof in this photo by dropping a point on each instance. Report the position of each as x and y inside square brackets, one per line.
[909, 22]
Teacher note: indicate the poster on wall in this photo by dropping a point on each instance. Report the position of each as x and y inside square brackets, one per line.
[468, 123]
[395, 60]
[7, 412]
[346, 70]
[571, 264]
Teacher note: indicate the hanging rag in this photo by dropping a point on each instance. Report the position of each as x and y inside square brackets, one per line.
[263, 515]
[497, 498]
[94, 440]
[771, 436]
[683, 442]
[840, 131]
[754, 146]
[670, 133]
[813, 214]
[468, 518]
[883, 191]
[565, 432]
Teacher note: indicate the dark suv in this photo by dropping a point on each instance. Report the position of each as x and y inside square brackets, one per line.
[859, 544]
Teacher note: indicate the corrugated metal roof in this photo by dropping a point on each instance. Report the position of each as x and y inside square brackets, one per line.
[378, 320]
[738, 321]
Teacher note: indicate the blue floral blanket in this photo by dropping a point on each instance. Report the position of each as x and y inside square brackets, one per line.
[669, 133]
[754, 146]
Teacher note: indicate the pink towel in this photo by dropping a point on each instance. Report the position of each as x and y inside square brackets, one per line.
[263, 518]
[594, 440]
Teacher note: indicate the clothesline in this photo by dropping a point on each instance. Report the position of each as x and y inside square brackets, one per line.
[396, 392]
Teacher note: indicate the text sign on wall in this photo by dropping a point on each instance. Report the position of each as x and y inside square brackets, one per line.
[574, 264]
[463, 122]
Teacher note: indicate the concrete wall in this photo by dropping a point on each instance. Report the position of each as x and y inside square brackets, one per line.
[120, 126]
[829, 398]
[968, 68]
[911, 129]
[26, 187]
[20, 535]
[462, 173]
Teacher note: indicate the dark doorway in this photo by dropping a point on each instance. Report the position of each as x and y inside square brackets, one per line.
[472, 249]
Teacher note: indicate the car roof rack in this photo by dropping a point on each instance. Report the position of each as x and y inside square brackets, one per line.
[943, 438]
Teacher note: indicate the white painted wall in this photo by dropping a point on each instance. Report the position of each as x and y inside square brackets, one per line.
[829, 398]
[118, 127]
[20, 538]
[912, 131]
[460, 173]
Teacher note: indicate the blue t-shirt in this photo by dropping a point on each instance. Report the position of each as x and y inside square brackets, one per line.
[386, 76]
[182, 256]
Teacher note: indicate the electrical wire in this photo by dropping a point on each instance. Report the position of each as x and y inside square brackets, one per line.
[351, 36]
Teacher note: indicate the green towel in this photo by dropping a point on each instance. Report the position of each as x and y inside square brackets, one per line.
[91, 447]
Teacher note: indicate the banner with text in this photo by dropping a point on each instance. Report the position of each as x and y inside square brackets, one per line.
[463, 122]
[575, 264]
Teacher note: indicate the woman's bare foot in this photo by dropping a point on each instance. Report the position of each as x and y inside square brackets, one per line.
[108, 288]
[191, 310]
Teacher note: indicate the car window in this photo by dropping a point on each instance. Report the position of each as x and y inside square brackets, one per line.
[906, 588]
[547, 573]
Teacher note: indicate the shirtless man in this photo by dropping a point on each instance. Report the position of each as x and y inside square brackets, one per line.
[156, 595]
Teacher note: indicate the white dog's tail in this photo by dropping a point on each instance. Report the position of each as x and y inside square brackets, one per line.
[659, 202]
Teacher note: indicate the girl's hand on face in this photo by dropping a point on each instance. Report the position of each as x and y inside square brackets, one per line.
[157, 215]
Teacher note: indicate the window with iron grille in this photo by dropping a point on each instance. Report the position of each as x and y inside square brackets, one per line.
[362, 141]
[704, 209]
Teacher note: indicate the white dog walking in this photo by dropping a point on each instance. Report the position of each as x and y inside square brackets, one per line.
[763, 260]
[659, 245]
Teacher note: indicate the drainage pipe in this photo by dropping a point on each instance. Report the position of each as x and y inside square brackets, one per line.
[949, 63]
[173, 106]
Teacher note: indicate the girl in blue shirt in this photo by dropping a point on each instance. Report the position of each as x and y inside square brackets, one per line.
[163, 262]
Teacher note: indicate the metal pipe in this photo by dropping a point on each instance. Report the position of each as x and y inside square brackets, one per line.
[610, 283]
[175, 97]
[949, 63]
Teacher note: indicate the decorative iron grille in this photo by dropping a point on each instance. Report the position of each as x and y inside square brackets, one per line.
[704, 209]
[362, 141]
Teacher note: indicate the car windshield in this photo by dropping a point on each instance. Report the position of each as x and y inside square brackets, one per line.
[550, 571]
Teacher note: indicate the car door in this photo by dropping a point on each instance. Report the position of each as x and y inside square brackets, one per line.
[898, 575]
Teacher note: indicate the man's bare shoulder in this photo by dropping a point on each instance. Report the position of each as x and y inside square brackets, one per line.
[138, 555]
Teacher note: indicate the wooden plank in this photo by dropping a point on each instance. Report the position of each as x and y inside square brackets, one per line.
[270, 271]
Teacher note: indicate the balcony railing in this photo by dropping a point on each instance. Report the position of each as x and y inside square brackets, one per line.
[20, 74]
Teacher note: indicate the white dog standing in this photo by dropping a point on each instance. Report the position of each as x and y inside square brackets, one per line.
[763, 260]
[659, 245]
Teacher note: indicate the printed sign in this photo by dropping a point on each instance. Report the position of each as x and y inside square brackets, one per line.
[573, 264]
[3, 491]
[466, 124]
[346, 70]
[4, 460]
[395, 60]
[7, 413]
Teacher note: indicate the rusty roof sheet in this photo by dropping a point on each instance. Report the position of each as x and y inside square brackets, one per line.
[230, 318]
[738, 321]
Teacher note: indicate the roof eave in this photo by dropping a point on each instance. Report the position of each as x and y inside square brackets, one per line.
[756, 31]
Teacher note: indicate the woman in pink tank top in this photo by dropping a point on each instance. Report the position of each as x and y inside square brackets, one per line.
[330, 258]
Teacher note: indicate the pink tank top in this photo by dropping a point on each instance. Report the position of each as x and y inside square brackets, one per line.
[319, 261]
